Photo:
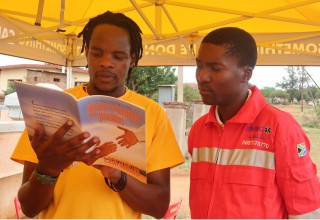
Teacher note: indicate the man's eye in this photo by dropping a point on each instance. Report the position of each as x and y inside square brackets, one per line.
[95, 54]
[120, 58]
[215, 69]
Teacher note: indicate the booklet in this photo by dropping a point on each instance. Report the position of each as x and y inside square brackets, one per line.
[106, 117]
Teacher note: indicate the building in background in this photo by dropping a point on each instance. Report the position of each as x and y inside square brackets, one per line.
[37, 73]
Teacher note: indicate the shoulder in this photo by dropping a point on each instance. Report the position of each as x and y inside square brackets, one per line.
[274, 113]
[76, 91]
[283, 122]
[73, 89]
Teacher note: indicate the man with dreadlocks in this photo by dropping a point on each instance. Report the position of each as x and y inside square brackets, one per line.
[58, 181]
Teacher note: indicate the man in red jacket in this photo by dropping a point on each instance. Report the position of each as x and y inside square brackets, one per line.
[249, 159]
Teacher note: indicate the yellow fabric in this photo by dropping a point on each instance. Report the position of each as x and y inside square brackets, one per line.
[286, 31]
[81, 191]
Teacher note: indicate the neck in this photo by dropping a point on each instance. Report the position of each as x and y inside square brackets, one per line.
[117, 92]
[226, 112]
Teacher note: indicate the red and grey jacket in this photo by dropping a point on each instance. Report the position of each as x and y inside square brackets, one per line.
[255, 166]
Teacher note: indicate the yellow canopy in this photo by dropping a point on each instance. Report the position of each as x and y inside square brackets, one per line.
[287, 31]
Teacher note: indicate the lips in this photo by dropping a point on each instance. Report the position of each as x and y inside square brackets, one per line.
[203, 90]
[106, 76]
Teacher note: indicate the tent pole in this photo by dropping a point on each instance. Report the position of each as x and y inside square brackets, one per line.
[71, 44]
[180, 84]
[69, 74]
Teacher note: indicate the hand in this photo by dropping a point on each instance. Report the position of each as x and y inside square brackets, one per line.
[128, 139]
[54, 155]
[108, 172]
[106, 149]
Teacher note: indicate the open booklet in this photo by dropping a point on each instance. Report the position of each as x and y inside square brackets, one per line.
[106, 117]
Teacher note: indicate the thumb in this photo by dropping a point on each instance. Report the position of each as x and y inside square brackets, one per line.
[122, 128]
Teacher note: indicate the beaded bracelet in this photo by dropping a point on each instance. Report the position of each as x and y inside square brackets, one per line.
[120, 185]
[45, 179]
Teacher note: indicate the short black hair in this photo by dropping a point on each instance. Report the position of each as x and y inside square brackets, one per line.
[122, 21]
[241, 45]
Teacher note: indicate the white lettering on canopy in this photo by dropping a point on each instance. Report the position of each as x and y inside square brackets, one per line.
[5, 32]
[303, 47]
[158, 49]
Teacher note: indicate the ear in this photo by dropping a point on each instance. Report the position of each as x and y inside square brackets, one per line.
[247, 73]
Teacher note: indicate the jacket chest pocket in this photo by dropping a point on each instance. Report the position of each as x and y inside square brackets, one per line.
[249, 185]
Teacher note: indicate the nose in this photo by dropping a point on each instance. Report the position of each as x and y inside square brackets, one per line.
[106, 61]
[202, 76]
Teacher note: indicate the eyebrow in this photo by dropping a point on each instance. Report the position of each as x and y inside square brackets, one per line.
[101, 50]
[95, 48]
[209, 63]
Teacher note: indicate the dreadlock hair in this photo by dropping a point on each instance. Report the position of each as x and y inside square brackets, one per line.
[240, 44]
[120, 20]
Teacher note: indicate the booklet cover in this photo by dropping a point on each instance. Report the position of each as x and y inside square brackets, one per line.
[106, 117]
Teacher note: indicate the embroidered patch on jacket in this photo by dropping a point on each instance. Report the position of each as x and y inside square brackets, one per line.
[302, 150]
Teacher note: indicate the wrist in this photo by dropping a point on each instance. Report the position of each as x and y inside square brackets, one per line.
[115, 177]
[120, 185]
[45, 179]
[47, 172]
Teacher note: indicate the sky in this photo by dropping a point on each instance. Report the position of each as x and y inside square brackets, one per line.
[263, 76]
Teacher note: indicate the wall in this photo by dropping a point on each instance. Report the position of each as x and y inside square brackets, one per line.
[10, 172]
[176, 112]
[6, 74]
[79, 77]
[56, 78]
[44, 74]
[199, 109]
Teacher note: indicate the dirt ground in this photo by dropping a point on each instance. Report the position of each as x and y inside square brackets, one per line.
[180, 187]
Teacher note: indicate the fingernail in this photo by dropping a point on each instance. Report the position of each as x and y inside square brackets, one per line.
[95, 140]
[86, 135]
[70, 122]
[98, 151]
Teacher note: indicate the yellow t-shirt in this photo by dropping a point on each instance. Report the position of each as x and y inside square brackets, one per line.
[81, 192]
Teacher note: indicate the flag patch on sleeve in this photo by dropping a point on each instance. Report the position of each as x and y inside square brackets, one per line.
[302, 150]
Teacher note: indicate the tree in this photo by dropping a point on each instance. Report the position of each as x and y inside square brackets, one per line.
[11, 88]
[291, 84]
[145, 80]
[279, 96]
[317, 95]
[190, 94]
[311, 93]
[266, 91]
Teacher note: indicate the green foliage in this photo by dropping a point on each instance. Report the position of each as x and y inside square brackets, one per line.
[317, 95]
[190, 94]
[266, 91]
[311, 94]
[297, 85]
[318, 111]
[279, 94]
[311, 120]
[291, 83]
[11, 89]
[145, 80]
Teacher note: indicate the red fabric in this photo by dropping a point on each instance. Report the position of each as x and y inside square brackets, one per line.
[218, 190]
